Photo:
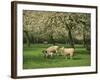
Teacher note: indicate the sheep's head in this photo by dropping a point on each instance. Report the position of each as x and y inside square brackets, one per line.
[44, 51]
[62, 48]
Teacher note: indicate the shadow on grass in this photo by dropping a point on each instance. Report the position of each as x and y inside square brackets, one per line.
[77, 58]
[40, 59]
[82, 52]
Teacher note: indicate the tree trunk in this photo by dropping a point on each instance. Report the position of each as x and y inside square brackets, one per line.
[70, 39]
[84, 38]
[27, 39]
[52, 40]
[86, 41]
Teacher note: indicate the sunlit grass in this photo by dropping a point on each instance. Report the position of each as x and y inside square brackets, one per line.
[33, 58]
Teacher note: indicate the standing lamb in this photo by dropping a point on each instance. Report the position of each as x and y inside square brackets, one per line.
[67, 51]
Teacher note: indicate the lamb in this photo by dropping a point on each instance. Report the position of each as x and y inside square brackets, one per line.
[67, 51]
[50, 51]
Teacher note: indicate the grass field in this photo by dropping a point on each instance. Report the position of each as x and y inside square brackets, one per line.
[32, 57]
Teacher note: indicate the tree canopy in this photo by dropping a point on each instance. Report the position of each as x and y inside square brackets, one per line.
[56, 27]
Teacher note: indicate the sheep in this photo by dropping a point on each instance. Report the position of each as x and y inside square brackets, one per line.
[48, 54]
[67, 51]
[50, 51]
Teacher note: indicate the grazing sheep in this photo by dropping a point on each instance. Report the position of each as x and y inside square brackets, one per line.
[67, 51]
[48, 54]
[50, 51]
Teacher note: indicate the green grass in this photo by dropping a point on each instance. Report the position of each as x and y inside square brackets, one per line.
[33, 58]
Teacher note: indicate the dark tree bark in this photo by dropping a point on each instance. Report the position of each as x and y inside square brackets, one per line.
[52, 40]
[69, 28]
[84, 38]
[27, 38]
[71, 39]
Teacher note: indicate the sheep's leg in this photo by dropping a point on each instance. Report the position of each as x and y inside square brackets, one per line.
[57, 53]
[71, 56]
[66, 57]
[61, 53]
[46, 56]
[51, 55]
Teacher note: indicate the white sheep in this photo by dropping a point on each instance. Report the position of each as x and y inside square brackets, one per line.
[67, 51]
[50, 51]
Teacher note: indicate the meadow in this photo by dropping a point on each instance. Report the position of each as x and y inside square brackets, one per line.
[33, 58]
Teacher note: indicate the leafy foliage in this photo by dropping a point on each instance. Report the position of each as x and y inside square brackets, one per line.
[56, 27]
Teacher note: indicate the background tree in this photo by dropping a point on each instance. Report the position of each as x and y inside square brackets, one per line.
[56, 27]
